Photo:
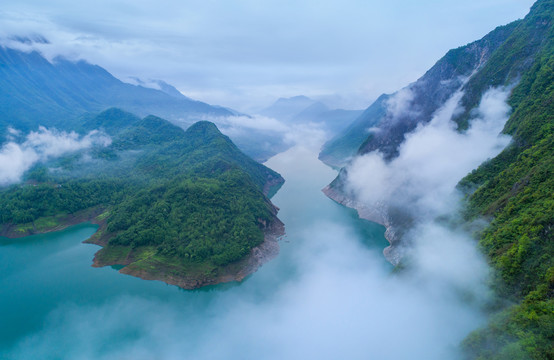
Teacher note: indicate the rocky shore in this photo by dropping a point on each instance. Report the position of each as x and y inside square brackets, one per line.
[168, 272]
[173, 274]
[377, 214]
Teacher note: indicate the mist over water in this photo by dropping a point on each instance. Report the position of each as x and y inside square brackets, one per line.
[329, 294]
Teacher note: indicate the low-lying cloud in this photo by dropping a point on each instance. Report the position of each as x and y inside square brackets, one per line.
[432, 159]
[256, 122]
[401, 103]
[327, 295]
[262, 136]
[42, 145]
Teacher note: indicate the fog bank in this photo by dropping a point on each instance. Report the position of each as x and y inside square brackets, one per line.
[328, 295]
[18, 156]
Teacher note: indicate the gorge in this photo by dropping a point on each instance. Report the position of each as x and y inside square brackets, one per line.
[297, 227]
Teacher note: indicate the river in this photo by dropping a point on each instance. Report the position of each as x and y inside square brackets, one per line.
[53, 304]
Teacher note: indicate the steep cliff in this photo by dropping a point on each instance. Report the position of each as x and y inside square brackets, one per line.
[384, 124]
[514, 190]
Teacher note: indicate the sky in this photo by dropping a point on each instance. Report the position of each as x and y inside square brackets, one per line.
[245, 54]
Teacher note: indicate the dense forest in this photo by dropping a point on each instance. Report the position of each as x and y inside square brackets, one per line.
[191, 195]
[516, 191]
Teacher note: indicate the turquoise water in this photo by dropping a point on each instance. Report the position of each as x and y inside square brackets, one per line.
[53, 304]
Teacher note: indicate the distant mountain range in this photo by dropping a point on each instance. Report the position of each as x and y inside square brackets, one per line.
[34, 91]
[62, 94]
[302, 110]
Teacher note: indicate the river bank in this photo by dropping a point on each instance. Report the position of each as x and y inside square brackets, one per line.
[379, 215]
[146, 264]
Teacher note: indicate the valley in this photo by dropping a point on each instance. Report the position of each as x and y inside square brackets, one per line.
[318, 219]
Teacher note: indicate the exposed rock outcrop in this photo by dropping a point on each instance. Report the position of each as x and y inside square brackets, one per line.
[378, 214]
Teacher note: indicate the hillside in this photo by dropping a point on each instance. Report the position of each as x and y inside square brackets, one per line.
[514, 190]
[184, 207]
[34, 91]
[383, 125]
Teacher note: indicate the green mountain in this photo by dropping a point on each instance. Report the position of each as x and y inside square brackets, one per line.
[514, 190]
[185, 207]
[35, 91]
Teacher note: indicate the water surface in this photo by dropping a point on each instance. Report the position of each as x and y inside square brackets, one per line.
[53, 304]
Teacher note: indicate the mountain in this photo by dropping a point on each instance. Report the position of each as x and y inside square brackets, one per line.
[513, 191]
[183, 206]
[338, 150]
[285, 109]
[383, 125]
[303, 110]
[332, 120]
[35, 91]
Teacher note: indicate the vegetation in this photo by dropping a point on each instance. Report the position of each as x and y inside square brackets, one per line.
[188, 197]
[516, 190]
[35, 91]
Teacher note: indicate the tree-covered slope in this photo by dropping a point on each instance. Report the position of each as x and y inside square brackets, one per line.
[35, 91]
[168, 200]
[516, 190]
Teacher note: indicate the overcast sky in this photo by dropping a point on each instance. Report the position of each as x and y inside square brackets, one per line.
[245, 54]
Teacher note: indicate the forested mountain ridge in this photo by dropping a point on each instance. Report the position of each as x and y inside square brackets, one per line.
[59, 92]
[185, 207]
[514, 190]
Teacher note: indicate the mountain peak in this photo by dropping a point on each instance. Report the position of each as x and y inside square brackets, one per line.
[203, 129]
[287, 108]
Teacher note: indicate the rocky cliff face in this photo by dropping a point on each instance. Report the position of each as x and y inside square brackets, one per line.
[377, 213]
[501, 58]
[384, 124]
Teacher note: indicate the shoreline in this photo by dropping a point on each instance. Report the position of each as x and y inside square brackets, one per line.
[182, 276]
[88, 215]
[392, 253]
[237, 271]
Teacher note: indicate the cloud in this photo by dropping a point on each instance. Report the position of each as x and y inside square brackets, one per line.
[327, 296]
[432, 159]
[256, 122]
[243, 55]
[400, 103]
[42, 145]
[258, 134]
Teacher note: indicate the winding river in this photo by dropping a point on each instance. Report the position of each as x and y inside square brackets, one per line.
[53, 304]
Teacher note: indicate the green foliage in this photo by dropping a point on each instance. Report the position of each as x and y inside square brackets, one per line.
[523, 331]
[187, 195]
[516, 190]
[30, 202]
[217, 219]
[512, 59]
